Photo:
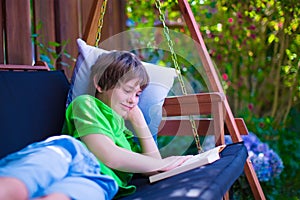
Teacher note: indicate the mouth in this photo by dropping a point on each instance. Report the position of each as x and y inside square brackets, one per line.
[127, 107]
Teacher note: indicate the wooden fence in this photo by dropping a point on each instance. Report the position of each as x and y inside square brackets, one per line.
[61, 20]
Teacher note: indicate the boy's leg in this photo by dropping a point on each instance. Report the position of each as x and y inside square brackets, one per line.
[12, 188]
[84, 179]
[37, 168]
[79, 188]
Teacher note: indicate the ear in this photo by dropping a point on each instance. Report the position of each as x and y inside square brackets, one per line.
[98, 88]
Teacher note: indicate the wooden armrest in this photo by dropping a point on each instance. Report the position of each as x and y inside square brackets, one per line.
[196, 104]
[182, 127]
[39, 66]
[192, 104]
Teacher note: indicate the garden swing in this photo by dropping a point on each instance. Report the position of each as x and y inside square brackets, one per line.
[185, 105]
[45, 92]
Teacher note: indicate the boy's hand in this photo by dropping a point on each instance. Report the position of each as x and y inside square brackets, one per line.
[135, 115]
[173, 162]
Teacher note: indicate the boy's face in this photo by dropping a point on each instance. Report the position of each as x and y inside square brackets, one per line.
[123, 98]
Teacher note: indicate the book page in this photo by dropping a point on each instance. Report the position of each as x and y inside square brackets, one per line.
[192, 163]
[210, 155]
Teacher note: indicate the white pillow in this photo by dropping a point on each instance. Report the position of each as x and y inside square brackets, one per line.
[151, 99]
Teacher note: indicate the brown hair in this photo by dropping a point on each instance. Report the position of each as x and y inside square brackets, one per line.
[116, 67]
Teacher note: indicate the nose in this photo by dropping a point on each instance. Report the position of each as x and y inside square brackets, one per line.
[133, 99]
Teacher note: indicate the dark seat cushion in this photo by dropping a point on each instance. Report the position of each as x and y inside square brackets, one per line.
[209, 182]
[32, 107]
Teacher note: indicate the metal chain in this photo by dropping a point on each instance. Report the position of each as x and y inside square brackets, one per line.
[178, 71]
[100, 22]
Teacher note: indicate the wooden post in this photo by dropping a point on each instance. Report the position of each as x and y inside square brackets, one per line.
[1, 28]
[18, 32]
[44, 14]
[67, 30]
[215, 86]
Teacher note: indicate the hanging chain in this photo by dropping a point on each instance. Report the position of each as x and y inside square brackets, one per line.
[178, 71]
[100, 22]
[170, 44]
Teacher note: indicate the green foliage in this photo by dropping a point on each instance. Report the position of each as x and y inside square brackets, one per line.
[49, 51]
[255, 47]
[283, 141]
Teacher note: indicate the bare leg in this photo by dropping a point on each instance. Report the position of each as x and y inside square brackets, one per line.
[55, 196]
[12, 189]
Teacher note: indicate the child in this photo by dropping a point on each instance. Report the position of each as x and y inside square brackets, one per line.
[61, 167]
[117, 80]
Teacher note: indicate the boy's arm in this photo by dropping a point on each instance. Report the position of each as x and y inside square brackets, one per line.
[143, 133]
[124, 160]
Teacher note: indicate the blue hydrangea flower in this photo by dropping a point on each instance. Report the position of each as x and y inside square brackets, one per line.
[266, 163]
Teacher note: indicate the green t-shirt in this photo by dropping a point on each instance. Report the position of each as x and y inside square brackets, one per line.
[88, 115]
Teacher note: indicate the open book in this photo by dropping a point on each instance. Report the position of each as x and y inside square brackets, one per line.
[195, 161]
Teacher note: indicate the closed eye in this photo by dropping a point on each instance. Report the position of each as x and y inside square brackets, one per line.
[138, 94]
[127, 91]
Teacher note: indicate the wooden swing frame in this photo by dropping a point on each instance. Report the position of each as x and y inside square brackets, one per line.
[213, 103]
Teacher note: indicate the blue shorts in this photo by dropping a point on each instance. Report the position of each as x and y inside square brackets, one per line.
[60, 164]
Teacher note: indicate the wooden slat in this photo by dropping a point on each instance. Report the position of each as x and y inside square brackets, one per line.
[193, 104]
[44, 13]
[67, 29]
[182, 127]
[40, 66]
[197, 104]
[86, 8]
[199, 97]
[218, 116]
[18, 32]
[115, 12]
[1, 29]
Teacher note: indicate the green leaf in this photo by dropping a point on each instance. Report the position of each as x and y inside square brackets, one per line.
[45, 58]
[54, 44]
[50, 50]
[34, 35]
[64, 64]
[39, 26]
[271, 38]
